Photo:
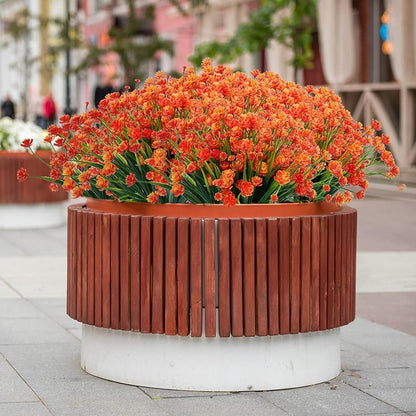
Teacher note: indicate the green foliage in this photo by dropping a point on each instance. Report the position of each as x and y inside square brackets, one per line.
[294, 30]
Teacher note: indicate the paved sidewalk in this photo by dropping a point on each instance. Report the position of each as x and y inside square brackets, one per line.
[40, 373]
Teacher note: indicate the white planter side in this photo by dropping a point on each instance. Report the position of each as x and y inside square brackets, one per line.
[211, 364]
[25, 216]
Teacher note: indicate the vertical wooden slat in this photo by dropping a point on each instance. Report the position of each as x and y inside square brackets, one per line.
[323, 273]
[295, 256]
[98, 276]
[106, 258]
[249, 276]
[284, 286]
[171, 292]
[348, 267]
[84, 266]
[305, 279]
[209, 277]
[344, 272]
[125, 272]
[354, 263]
[331, 271]
[273, 274]
[115, 271]
[315, 260]
[90, 268]
[196, 276]
[72, 264]
[338, 269]
[262, 323]
[183, 276]
[146, 242]
[135, 246]
[224, 313]
[237, 329]
[158, 276]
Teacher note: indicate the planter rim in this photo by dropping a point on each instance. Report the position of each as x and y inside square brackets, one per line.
[213, 210]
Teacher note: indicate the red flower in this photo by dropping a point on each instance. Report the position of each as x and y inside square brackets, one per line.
[22, 174]
[53, 187]
[131, 179]
[26, 143]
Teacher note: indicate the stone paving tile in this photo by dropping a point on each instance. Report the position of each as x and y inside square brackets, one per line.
[358, 358]
[24, 409]
[55, 308]
[35, 277]
[53, 371]
[19, 308]
[402, 398]
[237, 404]
[33, 242]
[378, 339]
[15, 331]
[327, 399]
[380, 378]
[174, 394]
[12, 386]
[6, 292]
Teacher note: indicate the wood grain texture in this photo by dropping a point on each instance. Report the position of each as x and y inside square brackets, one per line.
[168, 275]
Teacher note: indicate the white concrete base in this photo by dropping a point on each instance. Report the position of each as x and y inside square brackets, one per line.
[211, 364]
[25, 216]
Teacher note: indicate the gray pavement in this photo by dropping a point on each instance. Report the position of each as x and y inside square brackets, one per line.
[40, 374]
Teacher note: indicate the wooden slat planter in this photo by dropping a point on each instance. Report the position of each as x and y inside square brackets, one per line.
[174, 275]
[30, 204]
[31, 191]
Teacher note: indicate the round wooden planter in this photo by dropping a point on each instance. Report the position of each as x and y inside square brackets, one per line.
[218, 299]
[30, 204]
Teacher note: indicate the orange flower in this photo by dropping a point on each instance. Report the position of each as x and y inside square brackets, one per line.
[282, 177]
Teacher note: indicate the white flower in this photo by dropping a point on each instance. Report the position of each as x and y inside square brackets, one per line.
[13, 132]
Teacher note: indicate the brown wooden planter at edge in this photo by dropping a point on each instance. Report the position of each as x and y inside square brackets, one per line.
[277, 271]
[31, 191]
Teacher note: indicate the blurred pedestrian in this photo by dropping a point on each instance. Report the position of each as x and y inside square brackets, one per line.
[49, 109]
[7, 108]
[101, 91]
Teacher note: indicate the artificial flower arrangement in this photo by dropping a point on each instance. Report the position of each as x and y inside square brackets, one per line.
[217, 137]
[12, 132]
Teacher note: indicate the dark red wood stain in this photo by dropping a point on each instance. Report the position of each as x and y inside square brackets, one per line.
[275, 275]
[90, 268]
[262, 322]
[295, 261]
[237, 311]
[171, 305]
[196, 279]
[209, 283]
[284, 275]
[135, 246]
[146, 242]
[125, 274]
[182, 259]
[315, 267]
[158, 276]
[224, 312]
[106, 287]
[249, 277]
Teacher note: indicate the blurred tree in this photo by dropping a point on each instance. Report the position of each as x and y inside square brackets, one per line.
[293, 29]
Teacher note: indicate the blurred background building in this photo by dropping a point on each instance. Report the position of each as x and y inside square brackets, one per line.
[80, 49]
